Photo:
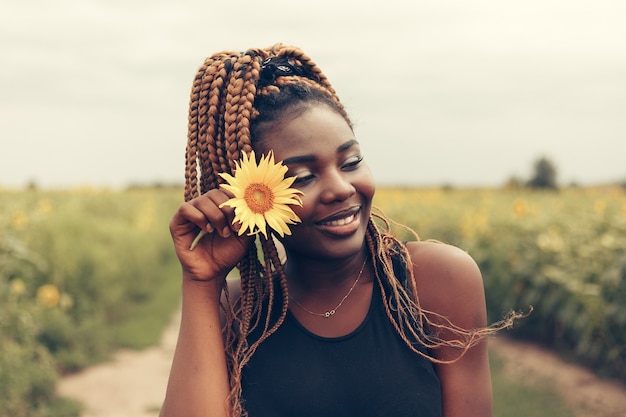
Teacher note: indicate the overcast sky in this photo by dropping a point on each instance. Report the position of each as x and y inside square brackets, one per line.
[95, 92]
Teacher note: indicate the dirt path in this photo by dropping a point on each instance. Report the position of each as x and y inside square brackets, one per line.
[580, 388]
[134, 382]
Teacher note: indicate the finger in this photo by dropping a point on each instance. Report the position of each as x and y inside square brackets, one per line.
[219, 218]
[189, 218]
[229, 211]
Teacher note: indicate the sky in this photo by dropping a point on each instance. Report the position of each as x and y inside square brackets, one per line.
[442, 92]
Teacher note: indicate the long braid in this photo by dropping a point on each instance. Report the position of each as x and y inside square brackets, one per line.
[191, 159]
[414, 324]
[220, 113]
[216, 117]
[229, 109]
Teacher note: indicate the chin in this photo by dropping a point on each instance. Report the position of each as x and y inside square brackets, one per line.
[324, 246]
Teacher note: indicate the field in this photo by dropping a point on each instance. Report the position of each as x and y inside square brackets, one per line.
[84, 272]
[563, 254]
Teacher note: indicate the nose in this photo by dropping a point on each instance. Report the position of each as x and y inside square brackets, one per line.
[336, 187]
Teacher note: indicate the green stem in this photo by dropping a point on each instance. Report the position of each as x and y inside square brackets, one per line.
[197, 239]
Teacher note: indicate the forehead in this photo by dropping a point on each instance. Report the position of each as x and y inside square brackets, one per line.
[317, 130]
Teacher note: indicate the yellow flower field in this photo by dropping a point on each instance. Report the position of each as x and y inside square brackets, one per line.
[77, 266]
[563, 253]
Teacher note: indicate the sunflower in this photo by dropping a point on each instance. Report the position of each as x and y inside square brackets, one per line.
[48, 295]
[261, 196]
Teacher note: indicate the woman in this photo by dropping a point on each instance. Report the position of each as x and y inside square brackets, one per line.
[350, 321]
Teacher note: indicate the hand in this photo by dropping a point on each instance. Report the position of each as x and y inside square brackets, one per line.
[220, 249]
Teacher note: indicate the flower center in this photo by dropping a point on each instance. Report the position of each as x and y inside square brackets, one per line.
[259, 198]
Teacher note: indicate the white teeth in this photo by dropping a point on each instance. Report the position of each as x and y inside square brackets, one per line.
[340, 222]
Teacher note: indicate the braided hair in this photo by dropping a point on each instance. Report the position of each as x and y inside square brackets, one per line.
[235, 98]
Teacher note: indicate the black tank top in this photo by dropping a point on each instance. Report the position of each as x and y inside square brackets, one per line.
[367, 373]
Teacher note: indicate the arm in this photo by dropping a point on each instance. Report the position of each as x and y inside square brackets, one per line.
[198, 383]
[450, 284]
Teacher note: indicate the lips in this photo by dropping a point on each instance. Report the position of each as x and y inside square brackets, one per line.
[342, 223]
[339, 222]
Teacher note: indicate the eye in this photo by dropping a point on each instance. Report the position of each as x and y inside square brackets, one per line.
[352, 162]
[303, 178]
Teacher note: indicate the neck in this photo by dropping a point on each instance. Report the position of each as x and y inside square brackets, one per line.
[306, 275]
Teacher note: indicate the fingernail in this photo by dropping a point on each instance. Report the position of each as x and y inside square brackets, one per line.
[209, 228]
[226, 232]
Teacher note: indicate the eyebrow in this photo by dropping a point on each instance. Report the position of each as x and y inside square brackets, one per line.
[347, 145]
[311, 158]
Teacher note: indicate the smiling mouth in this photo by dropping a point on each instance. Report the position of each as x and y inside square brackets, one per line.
[341, 219]
[339, 222]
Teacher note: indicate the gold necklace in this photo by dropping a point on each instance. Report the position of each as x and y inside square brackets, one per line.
[332, 312]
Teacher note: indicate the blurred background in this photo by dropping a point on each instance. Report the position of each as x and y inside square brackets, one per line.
[464, 93]
[495, 126]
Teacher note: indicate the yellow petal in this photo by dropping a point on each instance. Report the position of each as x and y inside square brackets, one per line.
[262, 195]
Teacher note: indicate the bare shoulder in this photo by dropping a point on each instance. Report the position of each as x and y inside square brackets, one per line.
[445, 262]
[449, 282]
[450, 290]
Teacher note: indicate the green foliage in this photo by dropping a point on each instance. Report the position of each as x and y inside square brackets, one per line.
[84, 272]
[563, 254]
[512, 397]
[544, 175]
[27, 368]
[79, 272]
[144, 327]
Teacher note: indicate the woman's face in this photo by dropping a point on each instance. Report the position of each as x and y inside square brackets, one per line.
[320, 150]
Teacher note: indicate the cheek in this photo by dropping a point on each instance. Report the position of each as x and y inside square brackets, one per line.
[304, 210]
[365, 184]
